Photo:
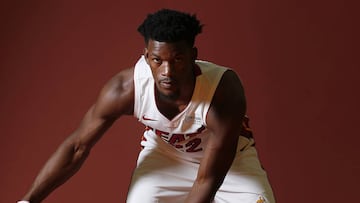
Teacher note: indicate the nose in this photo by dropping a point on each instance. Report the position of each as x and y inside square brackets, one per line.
[168, 69]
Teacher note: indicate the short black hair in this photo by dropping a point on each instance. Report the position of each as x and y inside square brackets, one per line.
[168, 25]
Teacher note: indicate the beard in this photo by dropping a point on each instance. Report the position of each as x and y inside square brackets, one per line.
[167, 95]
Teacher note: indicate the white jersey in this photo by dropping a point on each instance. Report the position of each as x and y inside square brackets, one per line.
[186, 132]
[172, 149]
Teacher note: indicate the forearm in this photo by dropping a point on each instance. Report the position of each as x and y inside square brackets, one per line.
[203, 191]
[212, 170]
[64, 163]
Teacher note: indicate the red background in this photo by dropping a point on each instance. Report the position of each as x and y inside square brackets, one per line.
[298, 59]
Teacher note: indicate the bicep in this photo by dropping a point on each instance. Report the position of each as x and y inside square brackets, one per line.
[224, 121]
[115, 99]
[227, 109]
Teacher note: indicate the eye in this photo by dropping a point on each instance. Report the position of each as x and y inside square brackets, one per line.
[156, 60]
[178, 59]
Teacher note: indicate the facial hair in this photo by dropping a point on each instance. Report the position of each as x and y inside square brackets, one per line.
[166, 97]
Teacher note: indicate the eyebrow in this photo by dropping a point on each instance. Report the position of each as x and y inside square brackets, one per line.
[178, 54]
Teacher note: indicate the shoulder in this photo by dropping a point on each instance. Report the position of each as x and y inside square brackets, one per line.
[230, 88]
[117, 96]
[229, 99]
[122, 81]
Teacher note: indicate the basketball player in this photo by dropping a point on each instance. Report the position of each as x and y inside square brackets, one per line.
[197, 146]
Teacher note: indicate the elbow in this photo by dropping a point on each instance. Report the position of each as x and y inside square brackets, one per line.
[76, 152]
[81, 152]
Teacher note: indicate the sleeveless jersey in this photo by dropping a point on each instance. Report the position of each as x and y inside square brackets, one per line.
[172, 149]
[186, 132]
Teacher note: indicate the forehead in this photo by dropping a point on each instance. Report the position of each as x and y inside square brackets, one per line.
[173, 48]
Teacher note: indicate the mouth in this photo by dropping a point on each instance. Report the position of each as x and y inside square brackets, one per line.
[167, 88]
[167, 83]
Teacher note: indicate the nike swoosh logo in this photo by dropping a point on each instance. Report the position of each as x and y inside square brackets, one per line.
[148, 119]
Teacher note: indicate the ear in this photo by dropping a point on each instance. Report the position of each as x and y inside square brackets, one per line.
[194, 53]
[146, 55]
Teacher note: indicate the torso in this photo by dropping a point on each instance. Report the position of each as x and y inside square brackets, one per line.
[182, 125]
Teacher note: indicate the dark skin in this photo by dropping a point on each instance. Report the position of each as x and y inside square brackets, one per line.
[172, 65]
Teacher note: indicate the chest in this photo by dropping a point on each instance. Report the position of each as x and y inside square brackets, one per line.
[170, 110]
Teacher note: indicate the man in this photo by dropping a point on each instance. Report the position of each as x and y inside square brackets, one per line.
[197, 146]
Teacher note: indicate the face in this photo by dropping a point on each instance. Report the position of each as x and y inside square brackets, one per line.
[172, 66]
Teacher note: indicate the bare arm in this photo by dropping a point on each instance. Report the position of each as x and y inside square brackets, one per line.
[224, 120]
[115, 99]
